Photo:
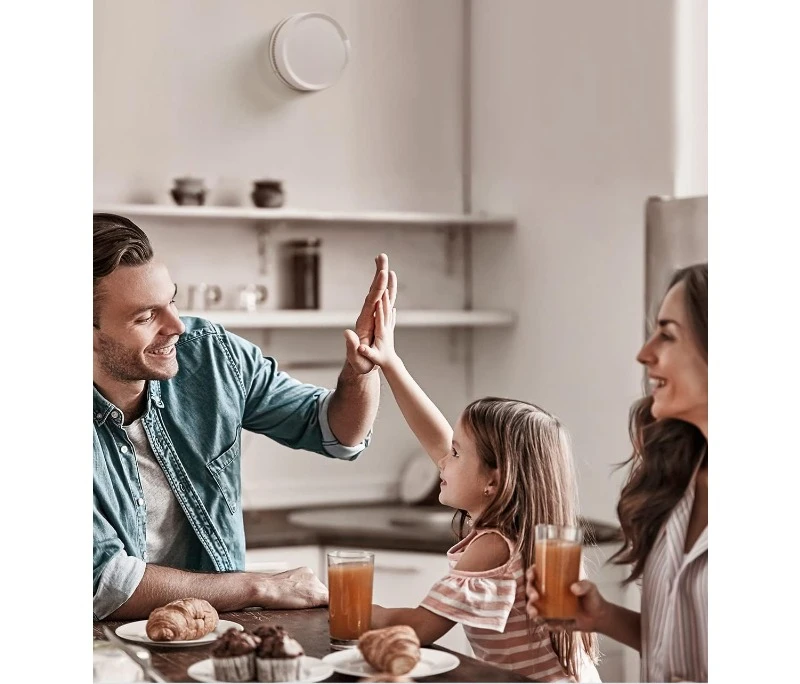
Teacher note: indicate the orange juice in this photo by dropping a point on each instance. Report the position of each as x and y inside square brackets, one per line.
[350, 599]
[558, 564]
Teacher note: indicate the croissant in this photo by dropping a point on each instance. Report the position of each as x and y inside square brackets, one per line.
[182, 620]
[393, 650]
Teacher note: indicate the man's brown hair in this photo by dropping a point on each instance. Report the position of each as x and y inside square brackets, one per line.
[117, 240]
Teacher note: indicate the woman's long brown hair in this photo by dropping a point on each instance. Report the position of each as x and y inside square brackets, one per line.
[665, 452]
[531, 451]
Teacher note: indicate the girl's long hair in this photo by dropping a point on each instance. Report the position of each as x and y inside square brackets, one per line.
[665, 452]
[531, 451]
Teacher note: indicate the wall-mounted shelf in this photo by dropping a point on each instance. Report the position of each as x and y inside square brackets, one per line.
[281, 215]
[346, 319]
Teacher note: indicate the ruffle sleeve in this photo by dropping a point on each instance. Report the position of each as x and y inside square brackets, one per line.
[483, 602]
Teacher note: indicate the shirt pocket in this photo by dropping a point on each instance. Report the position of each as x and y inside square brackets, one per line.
[226, 471]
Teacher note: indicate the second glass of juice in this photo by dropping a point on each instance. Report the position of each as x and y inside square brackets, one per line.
[557, 562]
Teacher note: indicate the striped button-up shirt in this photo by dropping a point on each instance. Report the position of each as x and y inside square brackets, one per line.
[675, 601]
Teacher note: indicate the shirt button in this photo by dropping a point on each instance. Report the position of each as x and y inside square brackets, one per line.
[115, 414]
[123, 449]
[98, 415]
[140, 501]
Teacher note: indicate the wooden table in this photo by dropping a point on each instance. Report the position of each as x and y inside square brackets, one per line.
[310, 628]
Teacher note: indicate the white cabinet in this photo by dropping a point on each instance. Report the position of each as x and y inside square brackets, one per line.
[280, 558]
[620, 663]
[403, 579]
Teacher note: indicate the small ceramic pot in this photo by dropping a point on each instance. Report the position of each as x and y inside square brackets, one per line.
[189, 191]
[267, 194]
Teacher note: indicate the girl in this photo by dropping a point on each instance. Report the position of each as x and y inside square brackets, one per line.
[663, 508]
[506, 467]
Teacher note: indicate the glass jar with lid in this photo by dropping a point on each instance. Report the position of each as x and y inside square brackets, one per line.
[300, 267]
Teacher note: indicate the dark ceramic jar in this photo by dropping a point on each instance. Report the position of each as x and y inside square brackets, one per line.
[267, 194]
[189, 191]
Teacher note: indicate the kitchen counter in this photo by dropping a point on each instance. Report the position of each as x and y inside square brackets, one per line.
[390, 526]
[310, 628]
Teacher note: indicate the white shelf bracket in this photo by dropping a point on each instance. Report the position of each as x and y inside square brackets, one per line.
[265, 230]
[263, 247]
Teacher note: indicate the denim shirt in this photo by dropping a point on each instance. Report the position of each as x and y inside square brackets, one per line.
[194, 423]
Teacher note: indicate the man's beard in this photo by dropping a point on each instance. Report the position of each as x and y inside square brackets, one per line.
[126, 365]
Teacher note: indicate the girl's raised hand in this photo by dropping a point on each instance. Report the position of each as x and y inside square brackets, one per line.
[382, 352]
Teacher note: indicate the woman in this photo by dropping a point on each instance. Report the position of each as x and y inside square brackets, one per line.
[663, 508]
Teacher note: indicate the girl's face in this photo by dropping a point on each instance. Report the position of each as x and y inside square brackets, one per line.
[676, 369]
[466, 482]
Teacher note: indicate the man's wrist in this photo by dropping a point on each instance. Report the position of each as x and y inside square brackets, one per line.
[260, 591]
[351, 375]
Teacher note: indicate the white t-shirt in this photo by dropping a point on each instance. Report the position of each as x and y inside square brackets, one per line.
[168, 532]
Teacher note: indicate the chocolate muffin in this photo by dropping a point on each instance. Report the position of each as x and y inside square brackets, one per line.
[233, 656]
[264, 631]
[279, 658]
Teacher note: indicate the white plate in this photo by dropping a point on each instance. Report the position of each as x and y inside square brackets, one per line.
[316, 670]
[135, 631]
[431, 662]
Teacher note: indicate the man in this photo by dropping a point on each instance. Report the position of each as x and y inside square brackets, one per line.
[171, 397]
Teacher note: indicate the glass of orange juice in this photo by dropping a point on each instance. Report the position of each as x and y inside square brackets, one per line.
[557, 559]
[350, 576]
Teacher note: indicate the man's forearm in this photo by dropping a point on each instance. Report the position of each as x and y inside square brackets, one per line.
[225, 591]
[354, 405]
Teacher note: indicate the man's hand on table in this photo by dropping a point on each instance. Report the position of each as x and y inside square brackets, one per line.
[290, 590]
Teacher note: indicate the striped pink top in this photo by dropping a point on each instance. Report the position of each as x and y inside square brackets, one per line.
[675, 602]
[491, 607]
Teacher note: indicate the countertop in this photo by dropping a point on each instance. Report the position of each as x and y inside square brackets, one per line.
[310, 628]
[370, 526]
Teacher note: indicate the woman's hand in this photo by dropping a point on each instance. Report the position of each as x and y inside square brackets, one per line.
[382, 352]
[592, 607]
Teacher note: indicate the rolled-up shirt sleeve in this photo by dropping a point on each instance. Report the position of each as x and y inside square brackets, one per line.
[329, 442]
[116, 574]
[118, 580]
[281, 407]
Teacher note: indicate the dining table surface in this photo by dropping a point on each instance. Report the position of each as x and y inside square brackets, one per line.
[310, 628]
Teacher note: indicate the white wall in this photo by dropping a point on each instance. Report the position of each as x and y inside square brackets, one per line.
[691, 98]
[179, 90]
[572, 130]
[580, 111]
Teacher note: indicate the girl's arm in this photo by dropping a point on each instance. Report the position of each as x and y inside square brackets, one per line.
[428, 626]
[425, 420]
[486, 553]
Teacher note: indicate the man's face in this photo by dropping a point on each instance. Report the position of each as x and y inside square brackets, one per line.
[138, 324]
